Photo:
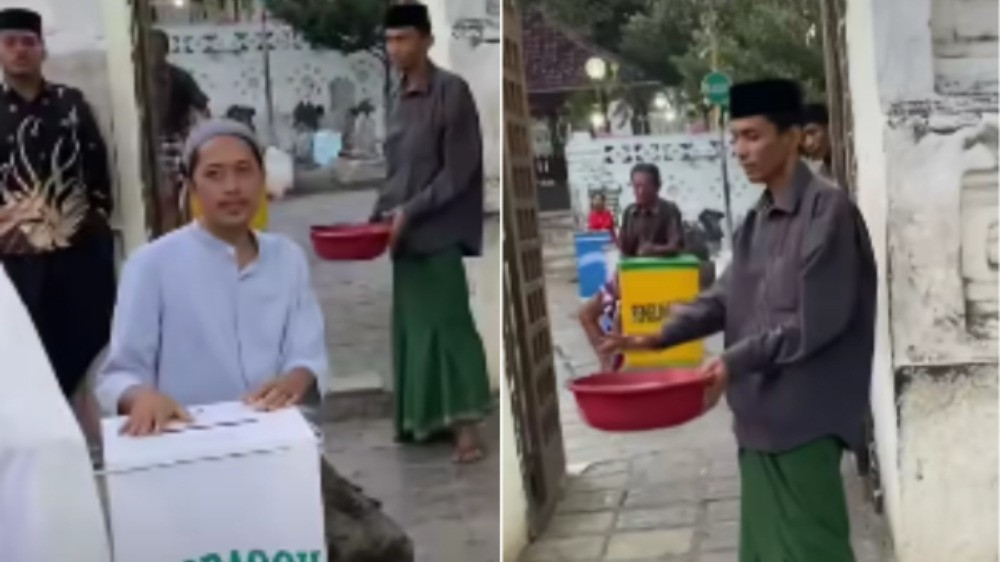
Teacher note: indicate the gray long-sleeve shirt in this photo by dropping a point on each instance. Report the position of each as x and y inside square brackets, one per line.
[434, 157]
[797, 305]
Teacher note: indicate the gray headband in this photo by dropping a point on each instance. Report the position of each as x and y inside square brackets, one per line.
[214, 128]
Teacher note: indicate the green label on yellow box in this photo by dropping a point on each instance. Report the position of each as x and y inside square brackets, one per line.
[260, 556]
[650, 313]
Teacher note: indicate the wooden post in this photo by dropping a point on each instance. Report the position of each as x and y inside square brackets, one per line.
[830, 19]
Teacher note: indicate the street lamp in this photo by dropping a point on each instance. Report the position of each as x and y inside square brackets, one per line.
[661, 102]
[598, 121]
[597, 70]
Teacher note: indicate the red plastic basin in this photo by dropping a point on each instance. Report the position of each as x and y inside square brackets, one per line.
[350, 242]
[639, 401]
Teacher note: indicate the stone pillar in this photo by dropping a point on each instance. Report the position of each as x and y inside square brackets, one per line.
[925, 114]
[125, 136]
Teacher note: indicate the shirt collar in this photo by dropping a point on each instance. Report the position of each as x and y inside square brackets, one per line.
[12, 94]
[222, 247]
[789, 199]
[652, 210]
[421, 88]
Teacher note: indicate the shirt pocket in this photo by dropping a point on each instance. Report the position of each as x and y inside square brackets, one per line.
[783, 284]
[424, 142]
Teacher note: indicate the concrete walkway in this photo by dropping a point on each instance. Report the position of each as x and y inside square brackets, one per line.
[452, 513]
[667, 495]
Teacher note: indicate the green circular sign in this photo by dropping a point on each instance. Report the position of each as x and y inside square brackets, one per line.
[715, 88]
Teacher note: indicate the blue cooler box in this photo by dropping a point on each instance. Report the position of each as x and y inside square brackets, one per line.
[591, 263]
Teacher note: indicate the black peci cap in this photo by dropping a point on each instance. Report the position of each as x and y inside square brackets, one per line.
[413, 15]
[815, 113]
[21, 19]
[765, 97]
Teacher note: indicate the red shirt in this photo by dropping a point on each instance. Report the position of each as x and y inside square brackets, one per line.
[600, 221]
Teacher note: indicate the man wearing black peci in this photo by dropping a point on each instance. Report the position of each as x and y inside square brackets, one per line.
[55, 198]
[797, 306]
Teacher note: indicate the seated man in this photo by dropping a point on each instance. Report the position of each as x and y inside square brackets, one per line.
[651, 227]
[215, 312]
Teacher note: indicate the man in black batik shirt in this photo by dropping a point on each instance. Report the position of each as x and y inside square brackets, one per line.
[55, 198]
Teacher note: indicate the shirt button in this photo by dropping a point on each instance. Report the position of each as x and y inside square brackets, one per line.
[13, 108]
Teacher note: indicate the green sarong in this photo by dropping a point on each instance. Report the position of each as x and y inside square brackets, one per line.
[794, 508]
[438, 356]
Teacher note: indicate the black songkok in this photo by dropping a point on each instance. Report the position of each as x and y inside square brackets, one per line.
[816, 114]
[21, 19]
[765, 97]
[413, 15]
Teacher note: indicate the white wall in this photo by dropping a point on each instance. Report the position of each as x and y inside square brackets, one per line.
[227, 61]
[690, 168]
[480, 66]
[872, 199]
[924, 117]
[514, 501]
[484, 287]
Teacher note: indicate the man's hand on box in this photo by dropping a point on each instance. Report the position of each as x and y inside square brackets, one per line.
[282, 392]
[149, 412]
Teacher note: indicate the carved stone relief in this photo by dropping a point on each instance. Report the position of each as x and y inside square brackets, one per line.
[964, 35]
[979, 236]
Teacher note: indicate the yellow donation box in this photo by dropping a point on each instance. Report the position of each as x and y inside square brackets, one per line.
[648, 286]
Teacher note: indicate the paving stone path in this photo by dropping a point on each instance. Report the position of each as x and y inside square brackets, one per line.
[355, 297]
[452, 513]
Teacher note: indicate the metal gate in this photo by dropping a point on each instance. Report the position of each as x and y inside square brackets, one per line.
[527, 338]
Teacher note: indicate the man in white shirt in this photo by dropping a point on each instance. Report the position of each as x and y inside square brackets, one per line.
[216, 312]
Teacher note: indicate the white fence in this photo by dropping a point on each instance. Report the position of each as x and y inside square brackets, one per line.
[690, 166]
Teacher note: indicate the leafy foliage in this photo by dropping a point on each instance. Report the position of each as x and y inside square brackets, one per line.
[654, 38]
[672, 40]
[347, 26]
[759, 39]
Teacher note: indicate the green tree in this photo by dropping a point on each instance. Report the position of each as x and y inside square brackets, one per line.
[348, 26]
[751, 39]
[654, 38]
[672, 40]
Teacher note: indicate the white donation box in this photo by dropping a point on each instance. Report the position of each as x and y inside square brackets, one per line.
[233, 486]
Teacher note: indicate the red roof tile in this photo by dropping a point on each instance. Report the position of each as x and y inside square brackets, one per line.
[555, 57]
